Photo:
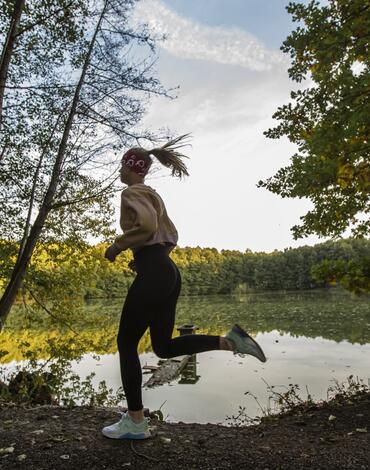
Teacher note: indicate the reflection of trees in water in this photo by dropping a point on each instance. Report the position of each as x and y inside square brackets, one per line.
[333, 316]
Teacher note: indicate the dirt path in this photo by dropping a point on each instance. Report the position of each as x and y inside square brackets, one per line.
[51, 437]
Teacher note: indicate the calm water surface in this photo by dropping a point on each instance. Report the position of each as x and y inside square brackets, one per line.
[310, 339]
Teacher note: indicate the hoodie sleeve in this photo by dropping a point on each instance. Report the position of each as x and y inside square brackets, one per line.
[138, 220]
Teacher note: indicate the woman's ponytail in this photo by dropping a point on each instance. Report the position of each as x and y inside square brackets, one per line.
[169, 157]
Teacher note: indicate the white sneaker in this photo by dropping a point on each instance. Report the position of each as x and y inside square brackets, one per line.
[126, 428]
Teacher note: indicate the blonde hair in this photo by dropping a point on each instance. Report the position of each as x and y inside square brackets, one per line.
[168, 155]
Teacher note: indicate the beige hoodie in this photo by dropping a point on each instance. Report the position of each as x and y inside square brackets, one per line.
[144, 219]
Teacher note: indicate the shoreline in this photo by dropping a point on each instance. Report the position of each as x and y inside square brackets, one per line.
[324, 435]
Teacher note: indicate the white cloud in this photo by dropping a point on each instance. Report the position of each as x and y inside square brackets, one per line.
[219, 204]
[226, 108]
[189, 39]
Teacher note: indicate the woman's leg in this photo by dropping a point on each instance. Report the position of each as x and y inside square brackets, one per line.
[133, 324]
[156, 278]
[161, 329]
[151, 301]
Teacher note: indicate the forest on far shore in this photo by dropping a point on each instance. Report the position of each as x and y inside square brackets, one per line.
[83, 271]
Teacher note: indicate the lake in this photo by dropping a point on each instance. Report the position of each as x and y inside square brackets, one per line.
[310, 338]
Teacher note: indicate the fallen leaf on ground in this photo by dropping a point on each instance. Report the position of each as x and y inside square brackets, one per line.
[6, 450]
[59, 439]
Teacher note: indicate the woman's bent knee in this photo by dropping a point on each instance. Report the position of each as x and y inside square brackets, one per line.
[162, 352]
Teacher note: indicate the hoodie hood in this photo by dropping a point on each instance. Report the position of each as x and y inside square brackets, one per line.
[141, 189]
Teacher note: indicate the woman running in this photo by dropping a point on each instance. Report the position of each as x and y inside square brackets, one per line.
[152, 297]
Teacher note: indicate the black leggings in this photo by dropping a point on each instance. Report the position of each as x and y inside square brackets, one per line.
[151, 302]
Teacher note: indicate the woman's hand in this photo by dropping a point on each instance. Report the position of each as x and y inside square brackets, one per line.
[111, 252]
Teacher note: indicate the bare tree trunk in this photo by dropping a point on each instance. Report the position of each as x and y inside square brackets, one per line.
[32, 197]
[21, 266]
[8, 50]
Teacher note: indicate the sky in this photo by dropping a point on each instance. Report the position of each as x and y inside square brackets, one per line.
[225, 58]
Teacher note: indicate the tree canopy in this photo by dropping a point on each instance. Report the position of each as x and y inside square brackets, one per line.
[75, 78]
[329, 119]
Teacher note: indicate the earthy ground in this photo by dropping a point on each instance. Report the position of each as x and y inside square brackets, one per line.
[51, 437]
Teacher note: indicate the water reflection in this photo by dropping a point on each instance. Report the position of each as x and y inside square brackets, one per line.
[309, 338]
[222, 380]
[189, 372]
[332, 315]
